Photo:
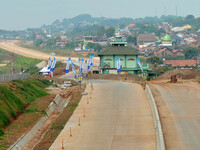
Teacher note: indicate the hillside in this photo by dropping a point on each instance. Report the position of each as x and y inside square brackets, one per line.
[28, 64]
[16, 95]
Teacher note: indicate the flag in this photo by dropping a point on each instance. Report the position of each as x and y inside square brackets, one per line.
[49, 63]
[73, 69]
[53, 65]
[89, 62]
[67, 66]
[140, 65]
[118, 65]
[81, 66]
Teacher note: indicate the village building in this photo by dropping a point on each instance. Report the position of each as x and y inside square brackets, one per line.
[128, 57]
[144, 40]
[181, 63]
[166, 41]
[164, 52]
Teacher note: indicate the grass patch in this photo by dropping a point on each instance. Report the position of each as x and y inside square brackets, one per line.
[4, 146]
[73, 106]
[16, 95]
[28, 64]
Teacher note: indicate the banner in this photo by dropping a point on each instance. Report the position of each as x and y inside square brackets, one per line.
[49, 63]
[67, 66]
[140, 65]
[118, 65]
[89, 62]
[53, 65]
[81, 67]
[79, 62]
[73, 69]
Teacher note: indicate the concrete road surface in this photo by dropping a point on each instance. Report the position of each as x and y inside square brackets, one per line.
[117, 118]
[181, 118]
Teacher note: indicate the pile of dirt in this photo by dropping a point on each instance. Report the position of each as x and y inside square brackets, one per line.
[181, 73]
[120, 77]
[59, 71]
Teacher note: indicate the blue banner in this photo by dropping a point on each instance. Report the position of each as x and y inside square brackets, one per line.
[81, 67]
[73, 69]
[140, 65]
[89, 62]
[118, 65]
[49, 63]
[67, 66]
[53, 65]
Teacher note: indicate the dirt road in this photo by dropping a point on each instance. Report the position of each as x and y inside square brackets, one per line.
[117, 118]
[14, 48]
[179, 108]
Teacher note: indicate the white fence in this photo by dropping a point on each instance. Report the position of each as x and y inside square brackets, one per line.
[23, 141]
[10, 77]
[158, 127]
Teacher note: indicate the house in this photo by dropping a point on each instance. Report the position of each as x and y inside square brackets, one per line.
[62, 42]
[128, 57]
[166, 41]
[175, 38]
[168, 52]
[144, 40]
[180, 63]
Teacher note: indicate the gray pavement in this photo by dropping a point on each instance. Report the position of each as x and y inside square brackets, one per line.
[117, 118]
[183, 104]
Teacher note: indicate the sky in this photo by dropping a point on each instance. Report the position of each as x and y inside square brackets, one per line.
[22, 14]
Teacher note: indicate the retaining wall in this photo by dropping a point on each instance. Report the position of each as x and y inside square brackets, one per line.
[158, 127]
[10, 77]
[21, 143]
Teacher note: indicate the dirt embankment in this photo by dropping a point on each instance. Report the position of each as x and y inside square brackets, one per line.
[58, 124]
[120, 77]
[182, 73]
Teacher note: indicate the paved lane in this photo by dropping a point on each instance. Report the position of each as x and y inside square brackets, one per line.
[182, 122]
[117, 118]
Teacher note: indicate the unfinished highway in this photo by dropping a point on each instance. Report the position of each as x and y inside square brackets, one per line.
[118, 117]
[179, 108]
[12, 47]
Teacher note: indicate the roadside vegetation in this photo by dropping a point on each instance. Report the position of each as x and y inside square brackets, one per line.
[20, 62]
[16, 96]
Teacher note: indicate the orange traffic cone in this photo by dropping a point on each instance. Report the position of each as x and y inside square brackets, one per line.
[87, 100]
[62, 145]
[84, 113]
[79, 122]
[70, 132]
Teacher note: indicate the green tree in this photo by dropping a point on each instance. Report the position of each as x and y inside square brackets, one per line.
[97, 47]
[131, 39]
[101, 31]
[38, 42]
[191, 52]
[189, 17]
[110, 32]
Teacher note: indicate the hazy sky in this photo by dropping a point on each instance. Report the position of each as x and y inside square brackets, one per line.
[21, 14]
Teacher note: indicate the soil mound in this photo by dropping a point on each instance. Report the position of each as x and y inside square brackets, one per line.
[183, 73]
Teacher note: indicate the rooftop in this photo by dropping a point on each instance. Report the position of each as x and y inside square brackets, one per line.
[180, 63]
[119, 50]
[147, 37]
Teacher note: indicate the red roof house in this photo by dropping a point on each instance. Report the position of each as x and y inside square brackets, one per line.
[181, 63]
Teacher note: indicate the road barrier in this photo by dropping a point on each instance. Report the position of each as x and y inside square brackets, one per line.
[158, 127]
[26, 138]
[10, 77]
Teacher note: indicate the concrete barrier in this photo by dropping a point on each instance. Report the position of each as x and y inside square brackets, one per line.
[158, 127]
[26, 138]
[10, 77]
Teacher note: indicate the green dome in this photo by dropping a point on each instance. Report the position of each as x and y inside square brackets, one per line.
[167, 37]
